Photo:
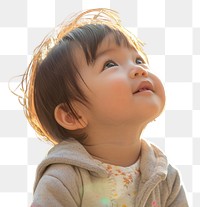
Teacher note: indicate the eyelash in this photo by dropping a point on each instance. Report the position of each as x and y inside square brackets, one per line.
[142, 61]
[109, 61]
[115, 64]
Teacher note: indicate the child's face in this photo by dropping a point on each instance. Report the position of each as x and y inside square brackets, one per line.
[122, 90]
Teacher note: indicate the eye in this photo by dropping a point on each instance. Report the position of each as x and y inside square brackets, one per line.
[139, 61]
[109, 64]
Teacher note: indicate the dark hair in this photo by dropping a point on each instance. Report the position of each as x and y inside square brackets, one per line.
[57, 78]
[53, 78]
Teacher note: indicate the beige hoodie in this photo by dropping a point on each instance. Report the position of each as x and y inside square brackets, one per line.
[69, 177]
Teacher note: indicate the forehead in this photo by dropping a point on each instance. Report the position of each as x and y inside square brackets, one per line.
[89, 50]
[109, 45]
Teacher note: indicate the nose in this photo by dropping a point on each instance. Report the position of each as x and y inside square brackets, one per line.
[138, 71]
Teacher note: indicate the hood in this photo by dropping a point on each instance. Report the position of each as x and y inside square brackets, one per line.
[71, 152]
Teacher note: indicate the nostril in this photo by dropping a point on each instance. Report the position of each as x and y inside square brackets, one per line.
[134, 74]
[144, 73]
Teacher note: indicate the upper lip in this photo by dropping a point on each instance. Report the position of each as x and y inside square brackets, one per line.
[144, 85]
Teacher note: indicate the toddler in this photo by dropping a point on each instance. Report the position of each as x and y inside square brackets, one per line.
[89, 91]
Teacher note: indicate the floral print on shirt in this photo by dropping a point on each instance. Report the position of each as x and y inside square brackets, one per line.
[124, 181]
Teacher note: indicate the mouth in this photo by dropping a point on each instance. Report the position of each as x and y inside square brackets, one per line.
[144, 86]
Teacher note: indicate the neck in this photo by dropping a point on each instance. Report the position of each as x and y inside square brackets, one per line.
[121, 149]
[120, 155]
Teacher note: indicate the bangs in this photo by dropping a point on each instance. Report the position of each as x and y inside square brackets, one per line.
[89, 37]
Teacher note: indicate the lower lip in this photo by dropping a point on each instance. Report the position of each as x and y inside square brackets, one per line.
[145, 92]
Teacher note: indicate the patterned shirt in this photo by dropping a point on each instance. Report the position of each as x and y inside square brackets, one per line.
[124, 182]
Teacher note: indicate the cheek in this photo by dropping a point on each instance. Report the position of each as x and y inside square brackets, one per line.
[160, 90]
[112, 94]
[114, 88]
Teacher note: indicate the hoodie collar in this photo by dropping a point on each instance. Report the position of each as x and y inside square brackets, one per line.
[153, 162]
[71, 152]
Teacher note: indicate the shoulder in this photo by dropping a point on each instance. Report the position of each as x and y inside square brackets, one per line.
[60, 185]
[173, 177]
[175, 187]
[68, 175]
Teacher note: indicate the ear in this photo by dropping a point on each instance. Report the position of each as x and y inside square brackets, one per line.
[67, 120]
